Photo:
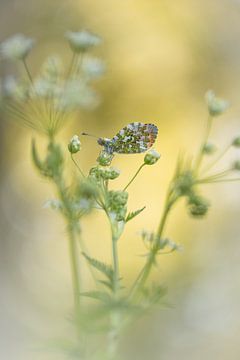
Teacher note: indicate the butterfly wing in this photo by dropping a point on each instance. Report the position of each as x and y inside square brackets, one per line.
[134, 138]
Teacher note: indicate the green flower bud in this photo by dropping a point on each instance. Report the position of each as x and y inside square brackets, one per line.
[83, 40]
[198, 206]
[236, 165]
[184, 183]
[151, 157]
[16, 47]
[236, 142]
[216, 106]
[209, 149]
[74, 145]
[109, 173]
[116, 203]
[104, 158]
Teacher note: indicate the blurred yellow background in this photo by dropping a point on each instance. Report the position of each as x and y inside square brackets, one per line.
[161, 58]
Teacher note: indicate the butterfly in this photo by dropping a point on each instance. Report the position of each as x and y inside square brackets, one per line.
[134, 138]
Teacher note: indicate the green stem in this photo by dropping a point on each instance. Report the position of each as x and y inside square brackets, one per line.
[74, 267]
[219, 157]
[27, 71]
[138, 171]
[71, 66]
[216, 176]
[115, 264]
[206, 136]
[78, 167]
[203, 181]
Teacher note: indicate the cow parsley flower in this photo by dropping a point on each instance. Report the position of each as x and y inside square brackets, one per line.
[216, 106]
[92, 67]
[81, 41]
[16, 47]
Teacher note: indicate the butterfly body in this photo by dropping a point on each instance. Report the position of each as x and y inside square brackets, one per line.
[132, 139]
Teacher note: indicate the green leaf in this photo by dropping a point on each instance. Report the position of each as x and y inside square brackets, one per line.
[37, 162]
[97, 295]
[132, 215]
[105, 269]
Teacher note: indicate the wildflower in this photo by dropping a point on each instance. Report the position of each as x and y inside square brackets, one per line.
[92, 67]
[216, 106]
[81, 41]
[236, 142]
[198, 206]
[52, 67]
[16, 90]
[16, 47]
[104, 158]
[45, 88]
[76, 95]
[209, 149]
[74, 145]
[151, 157]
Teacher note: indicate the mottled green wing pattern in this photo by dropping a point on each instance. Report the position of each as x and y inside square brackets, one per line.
[134, 138]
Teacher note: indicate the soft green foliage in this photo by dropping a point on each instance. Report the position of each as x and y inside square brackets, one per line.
[44, 104]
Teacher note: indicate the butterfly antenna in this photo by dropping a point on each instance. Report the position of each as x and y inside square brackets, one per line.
[86, 134]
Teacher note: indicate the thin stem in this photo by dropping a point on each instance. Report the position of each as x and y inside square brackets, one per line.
[217, 176]
[115, 264]
[27, 71]
[205, 139]
[133, 178]
[78, 167]
[74, 267]
[71, 67]
[204, 181]
[219, 157]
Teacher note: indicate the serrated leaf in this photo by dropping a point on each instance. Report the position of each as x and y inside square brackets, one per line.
[105, 269]
[97, 295]
[132, 215]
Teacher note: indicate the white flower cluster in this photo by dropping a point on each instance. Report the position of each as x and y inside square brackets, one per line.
[16, 47]
[81, 41]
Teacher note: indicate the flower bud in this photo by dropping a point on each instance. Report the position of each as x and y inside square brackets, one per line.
[151, 157]
[104, 158]
[184, 183]
[209, 149]
[236, 165]
[198, 206]
[236, 142]
[74, 145]
[81, 41]
[16, 47]
[109, 173]
[216, 106]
